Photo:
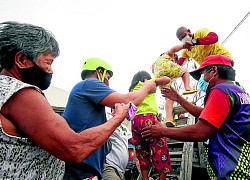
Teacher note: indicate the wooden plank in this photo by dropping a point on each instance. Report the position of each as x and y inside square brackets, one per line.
[179, 110]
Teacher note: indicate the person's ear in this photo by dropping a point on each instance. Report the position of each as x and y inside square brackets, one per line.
[214, 68]
[21, 60]
[99, 71]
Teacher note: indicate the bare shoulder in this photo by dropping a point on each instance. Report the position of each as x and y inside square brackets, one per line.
[27, 106]
[25, 98]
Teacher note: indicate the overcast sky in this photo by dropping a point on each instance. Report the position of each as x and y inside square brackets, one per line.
[129, 34]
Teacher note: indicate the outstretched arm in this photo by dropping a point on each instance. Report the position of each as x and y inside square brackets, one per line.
[171, 94]
[211, 38]
[136, 97]
[50, 131]
[187, 133]
[175, 49]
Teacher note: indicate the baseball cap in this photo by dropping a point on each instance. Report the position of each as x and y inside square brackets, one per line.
[210, 61]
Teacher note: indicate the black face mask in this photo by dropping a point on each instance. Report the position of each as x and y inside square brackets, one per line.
[36, 76]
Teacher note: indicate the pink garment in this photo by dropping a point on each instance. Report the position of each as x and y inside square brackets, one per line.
[156, 149]
[131, 112]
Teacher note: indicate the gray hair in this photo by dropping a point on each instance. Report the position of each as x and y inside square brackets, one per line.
[32, 40]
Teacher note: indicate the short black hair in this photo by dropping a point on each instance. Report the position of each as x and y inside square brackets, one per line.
[225, 72]
[86, 73]
[139, 76]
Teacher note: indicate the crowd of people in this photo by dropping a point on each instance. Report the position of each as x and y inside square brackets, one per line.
[37, 143]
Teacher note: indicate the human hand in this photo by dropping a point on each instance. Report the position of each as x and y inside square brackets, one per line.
[188, 45]
[153, 131]
[151, 86]
[170, 93]
[120, 110]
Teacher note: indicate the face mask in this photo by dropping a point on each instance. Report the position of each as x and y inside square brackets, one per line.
[203, 85]
[36, 76]
[186, 38]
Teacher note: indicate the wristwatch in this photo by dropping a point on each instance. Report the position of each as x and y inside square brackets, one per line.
[195, 41]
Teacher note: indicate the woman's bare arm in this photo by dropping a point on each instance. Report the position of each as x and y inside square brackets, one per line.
[31, 113]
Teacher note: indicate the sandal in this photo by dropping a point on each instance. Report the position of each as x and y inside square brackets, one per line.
[191, 91]
[171, 123]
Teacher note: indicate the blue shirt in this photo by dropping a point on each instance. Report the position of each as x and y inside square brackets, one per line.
[83, 111]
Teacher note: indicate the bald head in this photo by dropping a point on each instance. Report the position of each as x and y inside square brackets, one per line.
[181, 32]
